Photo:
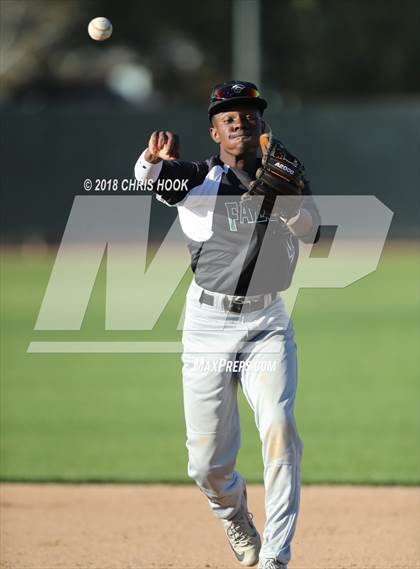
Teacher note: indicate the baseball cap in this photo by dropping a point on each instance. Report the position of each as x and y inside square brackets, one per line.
[224, 95]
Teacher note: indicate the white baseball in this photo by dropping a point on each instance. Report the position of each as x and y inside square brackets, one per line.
[100, 29]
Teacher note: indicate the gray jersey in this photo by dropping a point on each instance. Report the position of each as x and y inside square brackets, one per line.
[236, 246]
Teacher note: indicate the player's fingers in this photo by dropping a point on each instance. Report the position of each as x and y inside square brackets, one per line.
[153, 142]
[162, 140]
[170, 141]
[172, 146]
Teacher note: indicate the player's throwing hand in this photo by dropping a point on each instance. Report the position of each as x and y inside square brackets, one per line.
[163, 145]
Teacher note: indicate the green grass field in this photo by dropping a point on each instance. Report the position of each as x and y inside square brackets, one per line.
[119, 417]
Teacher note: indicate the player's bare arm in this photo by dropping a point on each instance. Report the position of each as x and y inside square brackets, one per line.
[300, 224]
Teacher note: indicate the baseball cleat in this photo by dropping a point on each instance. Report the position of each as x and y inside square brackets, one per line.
[271, 564]
[243, 537]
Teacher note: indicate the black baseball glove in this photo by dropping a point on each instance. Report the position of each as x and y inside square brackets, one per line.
[281, 175]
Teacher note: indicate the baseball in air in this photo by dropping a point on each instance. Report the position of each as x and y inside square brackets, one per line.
[100, 29]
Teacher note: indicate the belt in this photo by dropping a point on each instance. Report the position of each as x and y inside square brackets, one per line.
[239, 304]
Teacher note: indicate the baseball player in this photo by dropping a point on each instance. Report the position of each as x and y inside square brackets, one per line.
[243, 217]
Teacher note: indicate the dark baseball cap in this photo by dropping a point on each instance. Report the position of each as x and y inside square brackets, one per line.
[228, 94]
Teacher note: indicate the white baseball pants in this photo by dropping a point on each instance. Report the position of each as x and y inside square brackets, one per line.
[257, 351]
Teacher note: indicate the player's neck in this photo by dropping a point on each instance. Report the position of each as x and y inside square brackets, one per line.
[246, 162]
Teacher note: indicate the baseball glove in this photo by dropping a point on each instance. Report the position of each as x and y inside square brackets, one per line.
[281, 175]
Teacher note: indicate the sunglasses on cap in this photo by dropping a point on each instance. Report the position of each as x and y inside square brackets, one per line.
[223, 92]
[234, 93]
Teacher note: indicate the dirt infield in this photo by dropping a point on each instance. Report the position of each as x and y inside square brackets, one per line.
[171, 527]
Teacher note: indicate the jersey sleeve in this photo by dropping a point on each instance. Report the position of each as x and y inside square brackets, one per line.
[310, 206]
[172, 179]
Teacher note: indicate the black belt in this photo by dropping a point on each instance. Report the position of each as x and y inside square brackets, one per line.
[237, 304]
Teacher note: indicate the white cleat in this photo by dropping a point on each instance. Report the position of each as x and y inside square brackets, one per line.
[271, 564]
[243, 537]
